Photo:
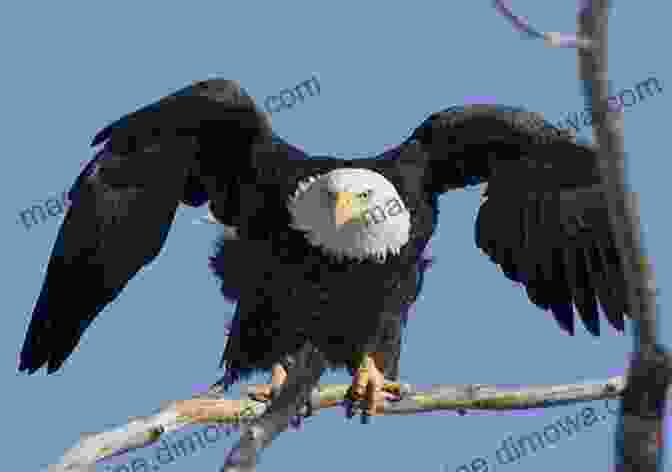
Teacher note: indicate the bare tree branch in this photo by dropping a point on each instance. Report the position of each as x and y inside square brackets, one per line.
[211, 407]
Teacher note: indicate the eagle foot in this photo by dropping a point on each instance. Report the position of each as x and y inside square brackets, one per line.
[369, 390]
[268, 393]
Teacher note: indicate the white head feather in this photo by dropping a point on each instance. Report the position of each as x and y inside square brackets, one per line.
[356, 239]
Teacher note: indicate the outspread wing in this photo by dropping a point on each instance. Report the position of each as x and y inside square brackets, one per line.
[181, 148]
[544, 219]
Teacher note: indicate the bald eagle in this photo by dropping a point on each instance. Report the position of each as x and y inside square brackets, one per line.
[325, 255]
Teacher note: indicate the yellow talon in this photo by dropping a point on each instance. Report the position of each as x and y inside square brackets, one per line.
[393, 387]
[368, 383]
[362, 379]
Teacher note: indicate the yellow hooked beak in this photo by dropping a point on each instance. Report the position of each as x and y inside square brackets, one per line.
[344, 209]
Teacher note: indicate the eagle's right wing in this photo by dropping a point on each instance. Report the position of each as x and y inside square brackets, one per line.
[182, 148]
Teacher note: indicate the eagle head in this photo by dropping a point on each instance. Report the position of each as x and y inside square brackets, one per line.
[351, 213]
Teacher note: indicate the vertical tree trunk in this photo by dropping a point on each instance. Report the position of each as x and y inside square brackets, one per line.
[643, 407]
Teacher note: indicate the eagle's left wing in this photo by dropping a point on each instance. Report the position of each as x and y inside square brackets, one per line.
[544, 219]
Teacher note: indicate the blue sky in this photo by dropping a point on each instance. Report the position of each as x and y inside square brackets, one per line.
[70, 70]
